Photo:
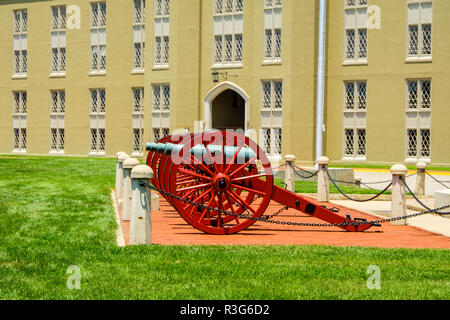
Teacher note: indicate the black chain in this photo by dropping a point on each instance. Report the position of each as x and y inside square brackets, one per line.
[276, 213]
[289, 223]
[435, 179]
[311, 174]
[418, 200]
[357, 200]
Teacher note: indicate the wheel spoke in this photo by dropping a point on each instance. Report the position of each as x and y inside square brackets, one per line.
[234, 158]
[249, 177]
[199, 197]
[238, 199]
[248, 189]
[231, 207]
[205, 210]
[205, 168]
[242, 166]
[199, 186]
[189, 193]
[194, 174]
[212, 159]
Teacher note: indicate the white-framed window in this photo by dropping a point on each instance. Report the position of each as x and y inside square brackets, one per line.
[355, 37]
[138, 35]
[97, 118]
[57, 121]
[227, 32]
[19, 115]
[137, 115]
[58, 40]
[98, 37]
[355, 120]
[418, 120]
[161, 34]
[420, 25]
[272, 30]
[160, 111]
[20, 43]
[271, 133]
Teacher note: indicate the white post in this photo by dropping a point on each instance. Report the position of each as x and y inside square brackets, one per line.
[140, 225]
[398, 206]
[128, 165]
[289, 178]
[420, 180]
[358, 181]
[323, 187]
[119, 190]
[118, 172]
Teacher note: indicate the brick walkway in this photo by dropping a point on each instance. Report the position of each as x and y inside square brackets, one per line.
[168, 228]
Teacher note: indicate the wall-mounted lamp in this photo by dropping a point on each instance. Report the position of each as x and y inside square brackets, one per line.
[215, 75]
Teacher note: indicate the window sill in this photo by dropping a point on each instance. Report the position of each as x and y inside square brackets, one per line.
[96, 154]
[53, 153]
[138, 72]
[161, 67]
[227, 66]
[160, 111]
[419, 60]
[415, 160]
[350, 111]
[275, 158]
[355, 63]
[20, 76]
[57, 75]
[137, 154]
[272, 63]
[99, 73]
[359, 159]
[19, 151]
[271, 110]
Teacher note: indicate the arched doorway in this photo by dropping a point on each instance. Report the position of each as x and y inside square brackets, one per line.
[226, 106]
[228, 111]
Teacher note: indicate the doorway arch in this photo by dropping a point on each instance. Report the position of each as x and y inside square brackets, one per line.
[226, 91]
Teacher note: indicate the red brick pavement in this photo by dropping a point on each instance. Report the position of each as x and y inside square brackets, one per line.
[168, 228]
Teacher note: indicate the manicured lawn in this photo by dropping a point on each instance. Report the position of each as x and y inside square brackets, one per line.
[56, 213]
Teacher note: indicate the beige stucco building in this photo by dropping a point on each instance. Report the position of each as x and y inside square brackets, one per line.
[90, 78]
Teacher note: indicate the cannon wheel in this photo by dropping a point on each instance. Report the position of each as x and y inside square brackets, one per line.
[226, 184]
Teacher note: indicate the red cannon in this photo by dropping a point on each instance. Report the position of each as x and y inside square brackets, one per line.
[222, 183]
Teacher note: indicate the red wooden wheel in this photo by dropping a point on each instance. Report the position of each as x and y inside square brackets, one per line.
[221, 180]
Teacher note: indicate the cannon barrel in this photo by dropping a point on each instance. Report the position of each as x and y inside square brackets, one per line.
[200, 150]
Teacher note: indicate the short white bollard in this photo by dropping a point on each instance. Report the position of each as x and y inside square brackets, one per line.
[358, 181]
[323, 186]
[118, 172]
[420, 180]
[128, 165]
[140, 225]
[289, 178]
[398, 206]
[119, 190]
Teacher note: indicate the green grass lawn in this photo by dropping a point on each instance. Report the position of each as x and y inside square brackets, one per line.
[311, 187]
[56, 213]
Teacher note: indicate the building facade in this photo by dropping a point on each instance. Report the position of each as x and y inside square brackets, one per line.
[90, 78]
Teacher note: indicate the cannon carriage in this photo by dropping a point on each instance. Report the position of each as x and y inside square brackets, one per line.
[222, 182]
